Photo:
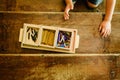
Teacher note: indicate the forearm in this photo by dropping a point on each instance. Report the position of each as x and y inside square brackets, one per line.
[68, 1]
[110, 5]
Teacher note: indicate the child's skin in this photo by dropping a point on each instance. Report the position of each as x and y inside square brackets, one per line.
[105, 26]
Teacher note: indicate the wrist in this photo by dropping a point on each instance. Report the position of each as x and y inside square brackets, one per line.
[108, 20]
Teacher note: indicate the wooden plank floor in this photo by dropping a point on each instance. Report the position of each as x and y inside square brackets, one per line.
[94, 59]
[87, 26]
[59, 68]
[48, 6]
[12, 22]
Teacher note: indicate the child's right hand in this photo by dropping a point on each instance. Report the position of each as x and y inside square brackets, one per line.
[105, 28]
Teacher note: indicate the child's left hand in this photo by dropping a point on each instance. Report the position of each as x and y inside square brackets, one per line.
[105, 28]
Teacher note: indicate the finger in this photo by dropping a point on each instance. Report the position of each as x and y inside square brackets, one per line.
[104, 34]
[102, 31]
[100, 28]
[67, 10]
[66, 16]
[109, 31]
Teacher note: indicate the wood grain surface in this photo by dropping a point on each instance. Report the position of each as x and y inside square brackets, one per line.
[49, 6]
[96, 58]
[59, 68]
[87, 26]
[85, 23]
[12, 22]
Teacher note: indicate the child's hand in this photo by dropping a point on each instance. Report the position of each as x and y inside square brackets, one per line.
[105, 28]
[67, 9]
[66, 13]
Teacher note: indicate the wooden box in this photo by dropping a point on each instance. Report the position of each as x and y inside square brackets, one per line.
[49, 38]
